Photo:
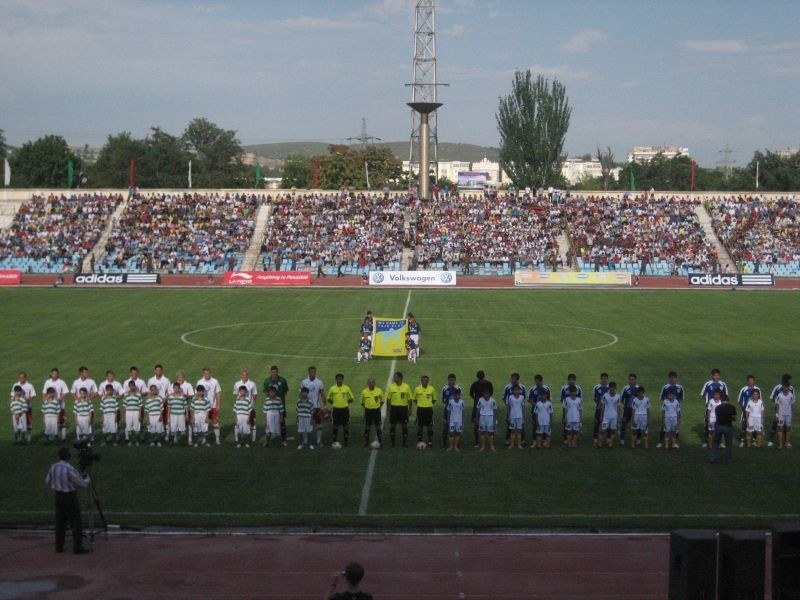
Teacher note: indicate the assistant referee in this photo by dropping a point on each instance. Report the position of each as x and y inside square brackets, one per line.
[64, 480]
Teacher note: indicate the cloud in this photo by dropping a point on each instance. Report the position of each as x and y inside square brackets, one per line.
[583, 41]
[716, 46]
[455, 30]
[562, 72]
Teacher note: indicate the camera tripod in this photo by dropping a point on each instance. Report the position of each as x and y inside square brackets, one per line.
[92, 504]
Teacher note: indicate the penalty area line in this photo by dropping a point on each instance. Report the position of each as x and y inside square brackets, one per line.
[373, 455]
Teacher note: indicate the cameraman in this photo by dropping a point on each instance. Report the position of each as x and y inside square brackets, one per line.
[352, 576]
[64, 480]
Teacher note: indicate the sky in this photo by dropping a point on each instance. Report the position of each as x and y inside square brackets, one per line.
[695, 74]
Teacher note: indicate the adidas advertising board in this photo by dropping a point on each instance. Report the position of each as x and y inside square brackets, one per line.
[117, 279]
[730, 280]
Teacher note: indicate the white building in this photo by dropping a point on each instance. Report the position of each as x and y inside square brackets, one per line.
[787, 152]
[644, 154]
[575, 170]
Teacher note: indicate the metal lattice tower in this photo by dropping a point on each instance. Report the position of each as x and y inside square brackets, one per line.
[364, 138]
[423, 86]
[727, 163]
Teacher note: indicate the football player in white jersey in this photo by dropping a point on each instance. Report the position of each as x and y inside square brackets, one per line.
[754, 420]
[610, 414]
[316, 393]
[671, 418]
[784, 407]
[213, 393]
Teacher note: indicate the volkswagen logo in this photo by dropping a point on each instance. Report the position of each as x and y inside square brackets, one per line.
[377, 277]
[446, 277]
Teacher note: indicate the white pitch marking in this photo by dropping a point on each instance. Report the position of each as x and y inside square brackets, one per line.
[373, 456]
[614, 340]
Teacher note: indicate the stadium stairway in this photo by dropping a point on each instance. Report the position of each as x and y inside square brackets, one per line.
[100, 246]
[259, 232]
[563, 250]
[724, 257]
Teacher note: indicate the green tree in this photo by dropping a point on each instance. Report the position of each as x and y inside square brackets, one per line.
[533, 121]
[775, 173]
[606, 160]
[216, 154]
[296, 172]
[43, 163]
[384, 167]
[111, 169]
[165, 162]
[341, 167]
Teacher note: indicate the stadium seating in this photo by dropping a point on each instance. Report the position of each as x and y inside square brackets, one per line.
[53, 234]
[362, 232]
[649, 235]
[761, 236]
[486, 235]
[181, 233]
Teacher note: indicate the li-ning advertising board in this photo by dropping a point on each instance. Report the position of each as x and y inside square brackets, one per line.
[10, 276]
[261, 278]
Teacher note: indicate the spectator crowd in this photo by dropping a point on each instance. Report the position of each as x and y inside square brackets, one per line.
[54, 233]
[182, 233]
[335, 232]
[653, 235]
[478, 229]
[761, 236]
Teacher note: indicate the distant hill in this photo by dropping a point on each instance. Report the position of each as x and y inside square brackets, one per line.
[447, 150]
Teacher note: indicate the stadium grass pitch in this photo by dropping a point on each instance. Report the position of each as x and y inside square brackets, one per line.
[499, 331]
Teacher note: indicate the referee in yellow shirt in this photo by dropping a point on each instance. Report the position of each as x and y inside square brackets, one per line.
[340, 396]
[372, 399]
[398, 398]
[423, 396]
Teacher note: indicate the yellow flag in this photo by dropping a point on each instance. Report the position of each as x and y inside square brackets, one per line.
[389, 336]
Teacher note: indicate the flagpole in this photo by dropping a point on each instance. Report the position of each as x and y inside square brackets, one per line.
[756, 174]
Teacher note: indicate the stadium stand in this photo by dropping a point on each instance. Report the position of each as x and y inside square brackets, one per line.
[181, 233]
[487, 235]
[52, 234]
[761, 236]
[361, 233]
[645, 235]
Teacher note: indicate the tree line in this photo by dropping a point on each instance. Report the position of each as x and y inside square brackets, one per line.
[368, 167]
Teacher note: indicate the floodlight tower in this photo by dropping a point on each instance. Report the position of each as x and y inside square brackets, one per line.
[424, 84]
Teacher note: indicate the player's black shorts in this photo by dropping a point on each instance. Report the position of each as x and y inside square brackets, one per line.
[627, 413]
[341, 416]
[398, 415]
[372, 416]
[425, 416]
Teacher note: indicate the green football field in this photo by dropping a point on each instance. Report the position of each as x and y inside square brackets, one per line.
[498, 331]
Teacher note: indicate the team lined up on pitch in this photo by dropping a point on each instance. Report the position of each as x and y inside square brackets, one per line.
[160, 411]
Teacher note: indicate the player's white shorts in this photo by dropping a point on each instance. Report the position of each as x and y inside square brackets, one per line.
[50, 424]
[573, 426]
[110, 422]
[19, 422]
[273, 420]
[755, 425]
[543, 429]
[712, 424]
[132, 422]
[640, 422]
[610, 422]
[304, 425]
[200, 424]
[486, 423]
[516, 424]
[177, 422]
[413, 354]
[154, 425]
[83, 425]
[243, 424]
[456, 427]
[785, 421]
[415, 337]
[671, 424]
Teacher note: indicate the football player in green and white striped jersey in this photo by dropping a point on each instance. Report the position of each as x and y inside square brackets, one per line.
[153, 406]
[109, 406]
[304, 407]
[84, 411]
[273, 406]
[198, 409]
[242, 406]
[19, 415]
[132, 402]
[176, 409]
[51, 408]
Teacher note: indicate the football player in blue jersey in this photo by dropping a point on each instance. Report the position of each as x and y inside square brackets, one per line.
[598, 392]
[707, 395]
[671, 387]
